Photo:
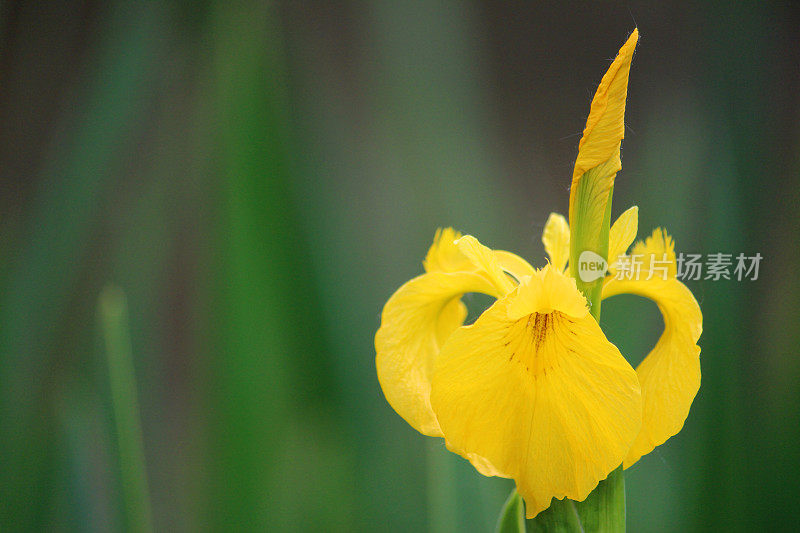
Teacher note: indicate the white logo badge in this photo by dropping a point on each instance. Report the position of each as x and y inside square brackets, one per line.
[591, 266]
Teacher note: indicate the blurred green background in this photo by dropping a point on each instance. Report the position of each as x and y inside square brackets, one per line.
[257, 179]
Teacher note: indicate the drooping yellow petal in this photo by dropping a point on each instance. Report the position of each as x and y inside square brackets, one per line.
[422, 313]
[415, 322]
[544, 397]
[622, 234]
[670, 374]
[555, 238]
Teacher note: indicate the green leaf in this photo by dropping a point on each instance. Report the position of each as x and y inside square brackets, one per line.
[602, 512]
[562, 516]
[512, 516]
[604, 509]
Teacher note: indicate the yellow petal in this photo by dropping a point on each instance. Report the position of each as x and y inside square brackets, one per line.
[622, 234]
[513, 264]
[555, 238]
[447, 255]
[549, 291]
[670, 374]
[415, 322]
[444, 255]
[545, 398]
[486, 263]
[656, 254]
[420, 316]
[605, 127]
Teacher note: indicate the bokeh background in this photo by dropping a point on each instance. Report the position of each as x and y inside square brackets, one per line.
[256, 179]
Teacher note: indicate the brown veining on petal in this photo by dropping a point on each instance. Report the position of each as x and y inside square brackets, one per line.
[531, 342]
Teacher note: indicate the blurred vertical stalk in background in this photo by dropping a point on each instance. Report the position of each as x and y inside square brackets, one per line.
[251, 279]
[268, 418]
[40, 276]
[113, 313]
[269, 404]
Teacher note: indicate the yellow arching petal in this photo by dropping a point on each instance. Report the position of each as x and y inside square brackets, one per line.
[513, 264]
[622, 234]
[605, 127]
[544, 398]
[415, 323]
[670, 374]
[447, 255]
[444, 255]
[555, 238]
[486, 262]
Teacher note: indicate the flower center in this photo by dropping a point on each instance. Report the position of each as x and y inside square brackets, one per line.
[531, 342]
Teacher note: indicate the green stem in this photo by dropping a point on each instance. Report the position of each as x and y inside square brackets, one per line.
[122, 380]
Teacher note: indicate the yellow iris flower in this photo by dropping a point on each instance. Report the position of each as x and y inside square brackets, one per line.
[533, 390]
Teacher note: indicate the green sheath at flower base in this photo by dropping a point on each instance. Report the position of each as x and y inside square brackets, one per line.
[591, 239]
